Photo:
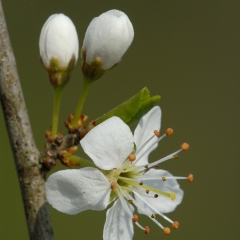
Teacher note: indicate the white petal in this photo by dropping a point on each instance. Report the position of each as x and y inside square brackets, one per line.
[118, 225]
[73, 191]
[144, 130]
[109, 143]
[162, 203]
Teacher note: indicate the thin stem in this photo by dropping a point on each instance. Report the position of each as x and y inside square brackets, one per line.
[56, 106]
[81, 161]
[86, 86]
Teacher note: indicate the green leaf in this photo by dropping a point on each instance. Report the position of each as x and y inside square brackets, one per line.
[144, 108]
[133, 109]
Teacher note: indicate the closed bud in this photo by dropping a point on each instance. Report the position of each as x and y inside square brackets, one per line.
[106, 40]
[58, 46]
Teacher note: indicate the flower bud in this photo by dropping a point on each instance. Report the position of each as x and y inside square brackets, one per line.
[106, 40]
[58, 46]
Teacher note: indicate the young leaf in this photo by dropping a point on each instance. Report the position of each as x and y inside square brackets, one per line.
[133, 109]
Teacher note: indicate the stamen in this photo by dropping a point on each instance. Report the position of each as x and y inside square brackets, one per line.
[164, 159]
[132, 157]
[140, 207]
[123, 195]
[190, 178]
[141, 178]
[130, 179]
[142, 167]
[147, 230]
[185, 146]
[124, 204]
[135, 218]
[125, 163]
[140, 148]
[151, 207]
[153, 216]
[156, 221]
[173, 177]
[113, 185]
[148, 148]
[137, 223]
[148, 196]
[147, 191]
[175, 225]
[157, 133]
[176, 156]
[169, 131]
[166, 230]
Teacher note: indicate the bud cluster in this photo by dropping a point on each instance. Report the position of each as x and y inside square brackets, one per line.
[106, 40]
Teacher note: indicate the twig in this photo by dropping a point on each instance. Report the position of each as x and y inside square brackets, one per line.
[30, 173]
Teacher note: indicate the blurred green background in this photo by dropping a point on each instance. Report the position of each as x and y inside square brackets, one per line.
[186, 51]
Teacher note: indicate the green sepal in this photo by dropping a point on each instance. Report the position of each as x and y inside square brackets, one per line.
[133, 109]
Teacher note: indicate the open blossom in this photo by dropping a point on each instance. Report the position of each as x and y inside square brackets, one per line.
[125, 177]
[107, 38]
[58, 39]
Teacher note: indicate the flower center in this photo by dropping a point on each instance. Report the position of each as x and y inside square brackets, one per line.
[128, 180]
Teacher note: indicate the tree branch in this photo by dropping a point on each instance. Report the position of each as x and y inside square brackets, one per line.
[31, 175]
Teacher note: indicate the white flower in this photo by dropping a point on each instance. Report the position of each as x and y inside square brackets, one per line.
[58, 39]
[125, 177]
[108, 37]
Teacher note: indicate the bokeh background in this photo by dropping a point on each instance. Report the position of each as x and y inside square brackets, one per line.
[187, 52]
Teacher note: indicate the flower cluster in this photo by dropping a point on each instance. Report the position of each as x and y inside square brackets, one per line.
[106, 40]
[123, 176]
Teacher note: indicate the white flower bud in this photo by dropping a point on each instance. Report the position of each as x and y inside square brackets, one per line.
[107, 38]
[58, 40]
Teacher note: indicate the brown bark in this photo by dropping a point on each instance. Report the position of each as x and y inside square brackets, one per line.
[30, 173]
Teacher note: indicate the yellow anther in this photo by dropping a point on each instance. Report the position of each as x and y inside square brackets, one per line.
[172, 196]
[130, 201]
[132, 157]
[166, 230]
[175, 156]
[146, 166]
[141, 183]
[164, 179]
[157, 133]
[135, 218]
[169, 131]
[185, 146]
[113, 185]
[147, 191]
[153, 216]
[190, 178]
[175, 225]
[156, 196]
[147, 230]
